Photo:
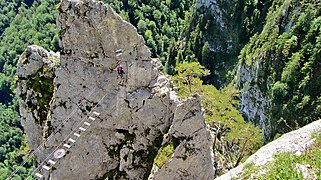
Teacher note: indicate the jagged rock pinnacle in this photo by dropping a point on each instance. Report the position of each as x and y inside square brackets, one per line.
[135, 119]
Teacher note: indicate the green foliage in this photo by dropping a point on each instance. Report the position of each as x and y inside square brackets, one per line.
[289, 48]
[249, 170]
[284, 168]
[285, 165]
[165, 19]
[12, 144]
[234, 136]
[164, 155]
[188, 78]
[279, 92]
[171, 62]
[23, 22]
[222, 113]
[32, 25]
[291, 70]
[9, 9]
[216, 44]
[206, 54]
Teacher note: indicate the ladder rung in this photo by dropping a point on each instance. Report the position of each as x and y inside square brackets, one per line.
[46, 167]
[39, 175]
[72, 140]
[91, 118]
[67, 145]
[87, 123]
[96, 113]
[76, 134]
[52, 162]
[81, 128]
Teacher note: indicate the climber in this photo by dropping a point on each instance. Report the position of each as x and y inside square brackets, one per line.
[121, 72]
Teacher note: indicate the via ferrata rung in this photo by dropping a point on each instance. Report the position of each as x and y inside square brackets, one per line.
[91, 118]
[67, 145]
[51, 162]
[119, 52]
[61, 152]
[96, 113]
[46, 167]
[39, 175]
[72, 140]
[82, 129]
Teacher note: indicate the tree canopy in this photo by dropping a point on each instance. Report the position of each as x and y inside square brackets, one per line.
[234, 137]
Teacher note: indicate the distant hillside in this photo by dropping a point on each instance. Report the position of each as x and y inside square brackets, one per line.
[280, 69]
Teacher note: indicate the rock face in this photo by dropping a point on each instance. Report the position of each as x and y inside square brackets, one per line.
[35, 89]
[254, 102]
[296, 142]
[222, 36]
[124, 139]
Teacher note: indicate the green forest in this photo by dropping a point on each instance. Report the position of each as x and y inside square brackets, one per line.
[201, 50]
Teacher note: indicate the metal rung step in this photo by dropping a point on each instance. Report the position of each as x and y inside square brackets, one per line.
[87, 123]
[67, 145]
[52, 162]
[72, 140]
[39, 175]
[96, 113]
[76, 134]
[46, 167]
[81, 128]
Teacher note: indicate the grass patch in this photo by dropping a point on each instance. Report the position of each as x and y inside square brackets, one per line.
[164, 154]
[284, 166]
[249, 170]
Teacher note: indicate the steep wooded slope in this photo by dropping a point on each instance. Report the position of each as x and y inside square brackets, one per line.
[280, 69]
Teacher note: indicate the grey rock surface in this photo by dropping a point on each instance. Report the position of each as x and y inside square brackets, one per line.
[124, 139]
[254, 102]
[35, 90]
[296, 142]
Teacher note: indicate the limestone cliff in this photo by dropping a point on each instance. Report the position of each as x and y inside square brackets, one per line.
[255, 103]
[108, 131]
[227, 26]
[35, 90]
[279, 69]
[221, 32]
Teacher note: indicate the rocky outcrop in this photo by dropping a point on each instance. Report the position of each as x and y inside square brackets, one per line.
[133, 120]
[35, 90]
[296, 142]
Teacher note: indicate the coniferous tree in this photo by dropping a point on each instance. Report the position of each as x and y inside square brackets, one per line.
[171, 61]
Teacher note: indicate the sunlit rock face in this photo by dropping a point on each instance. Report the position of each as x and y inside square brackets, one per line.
[131, 121]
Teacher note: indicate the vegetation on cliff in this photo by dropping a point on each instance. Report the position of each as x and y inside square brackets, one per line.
[289, 50]
[234, 138]
[22, 23]
[284, 35]
[289, 165]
